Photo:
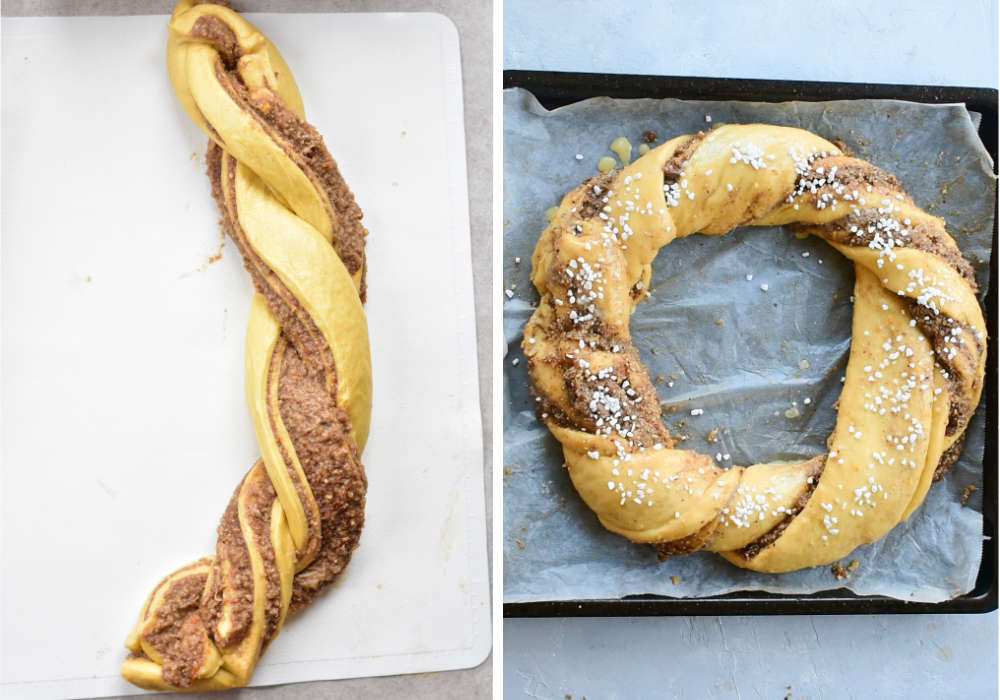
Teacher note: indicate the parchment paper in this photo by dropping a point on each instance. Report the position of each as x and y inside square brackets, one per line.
[743, 355]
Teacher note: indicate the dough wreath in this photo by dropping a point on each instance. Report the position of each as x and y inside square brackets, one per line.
[913, 378]
[296, 517]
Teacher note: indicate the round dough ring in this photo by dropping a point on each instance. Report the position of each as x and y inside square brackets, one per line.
[913, 379]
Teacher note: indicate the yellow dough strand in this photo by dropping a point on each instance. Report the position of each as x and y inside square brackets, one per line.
[296, 517]
[913, 379]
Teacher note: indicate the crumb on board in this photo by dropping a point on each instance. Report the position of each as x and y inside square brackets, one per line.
[659, 379]
[649, 136]
[674, 580]
[713, 435]
[520, 544]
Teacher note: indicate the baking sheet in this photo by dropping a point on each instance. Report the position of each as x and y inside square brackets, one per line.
[125, 428]
[772, 348]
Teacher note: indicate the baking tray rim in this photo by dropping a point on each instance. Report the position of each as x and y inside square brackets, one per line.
[554, 89]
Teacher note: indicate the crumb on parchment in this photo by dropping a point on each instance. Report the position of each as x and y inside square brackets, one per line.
[841, 572]
[967, 493]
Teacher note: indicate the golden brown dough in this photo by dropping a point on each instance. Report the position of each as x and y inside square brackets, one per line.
[913, 379]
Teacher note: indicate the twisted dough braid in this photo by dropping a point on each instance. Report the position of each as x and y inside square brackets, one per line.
[913, 378]
[297, 515]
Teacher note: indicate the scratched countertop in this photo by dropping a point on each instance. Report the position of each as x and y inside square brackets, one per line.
[778, 657]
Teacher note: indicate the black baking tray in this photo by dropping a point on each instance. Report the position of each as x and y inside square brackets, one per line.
[553, 90]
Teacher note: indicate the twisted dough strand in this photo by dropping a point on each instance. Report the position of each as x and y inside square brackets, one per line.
[294, 520]
[913, 378]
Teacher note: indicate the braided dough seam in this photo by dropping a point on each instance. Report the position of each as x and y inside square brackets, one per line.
[297, 515]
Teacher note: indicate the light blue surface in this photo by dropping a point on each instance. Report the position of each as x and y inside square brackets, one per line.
[819, 657]
[903, 657]
[922, 43]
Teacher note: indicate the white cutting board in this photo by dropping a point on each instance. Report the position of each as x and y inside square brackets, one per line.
[124, 425]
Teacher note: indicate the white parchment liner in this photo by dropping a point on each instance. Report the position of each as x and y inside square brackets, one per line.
[743, 355]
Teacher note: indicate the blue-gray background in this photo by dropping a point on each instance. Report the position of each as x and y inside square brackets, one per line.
[929, 656]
